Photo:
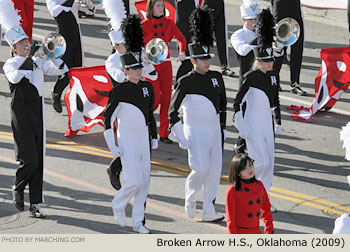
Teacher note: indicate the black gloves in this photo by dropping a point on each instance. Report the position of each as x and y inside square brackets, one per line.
[33, 48]
[68, 3]
[27, 64]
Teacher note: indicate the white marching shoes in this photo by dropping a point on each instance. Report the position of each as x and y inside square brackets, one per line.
[119, 217]
[273, 209]
[190, 209]
[141, 229]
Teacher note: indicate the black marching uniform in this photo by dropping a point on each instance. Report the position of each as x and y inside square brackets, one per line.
[218, 7]
[65, 14]
[132, 105]
[183, 10]
[282, 9]
[27, 121]
[203, 100]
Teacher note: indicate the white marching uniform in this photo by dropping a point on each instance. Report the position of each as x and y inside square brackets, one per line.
[260, 91]
[132, 105]
[203, 101]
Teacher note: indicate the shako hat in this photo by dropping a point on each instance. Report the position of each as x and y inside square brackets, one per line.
[202, 28]
[10, 21]
[266, 32]
[133, 34]
[115, 11]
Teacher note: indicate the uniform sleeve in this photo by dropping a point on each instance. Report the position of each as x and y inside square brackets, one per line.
[266, 214]
[179, 36]
[223, 104]
[55, 9]
[111, 107]
[241, 95]
[53, 68]
[13, 75]
[113, 68]
[152, 126]
[176, 100]
[230, 207]
[240, 46]
[277, 109]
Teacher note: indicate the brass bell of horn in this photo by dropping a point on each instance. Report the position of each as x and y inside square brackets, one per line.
[287, 31]
[156, 51]
[53, 46]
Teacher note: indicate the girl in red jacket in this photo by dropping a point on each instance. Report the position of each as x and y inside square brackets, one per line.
[157, 25]
[245, 198]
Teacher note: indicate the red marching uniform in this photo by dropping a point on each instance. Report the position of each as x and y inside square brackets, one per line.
[26, 8]
[243, 209]
[165, 29]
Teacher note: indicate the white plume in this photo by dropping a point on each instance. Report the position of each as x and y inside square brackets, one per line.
[251, 2]
[345, 137]
[8, 15]
[115, 11]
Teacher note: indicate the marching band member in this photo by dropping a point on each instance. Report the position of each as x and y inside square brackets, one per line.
[25, 75]
[157, 25]
[183, 10]
[260, 90]
[115, 11]
[220, 26]
[131, 104]
[65, 13]
[201, 95]
[240, 41]
[282, 9]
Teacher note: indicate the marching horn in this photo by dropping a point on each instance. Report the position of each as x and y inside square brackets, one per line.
[287, 31]
[53, 46]
[156, 51]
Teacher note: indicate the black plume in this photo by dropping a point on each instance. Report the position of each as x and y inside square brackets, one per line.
[202, 26]
[133, 33]
[266, 28]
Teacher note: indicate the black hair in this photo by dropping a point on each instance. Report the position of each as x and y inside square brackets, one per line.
[238, 164]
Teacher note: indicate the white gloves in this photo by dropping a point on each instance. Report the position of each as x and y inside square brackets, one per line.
[149, 71]
[278, 129]
[110, 140]
[116, 151]
[154, 144]
[239, 124]
[224, 133]
[182, 56]
[178, 133]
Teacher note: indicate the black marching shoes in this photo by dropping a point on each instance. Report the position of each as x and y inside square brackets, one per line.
[36, 211]
[296, 89]
[56, 102]
[18, 199]
[114, 179]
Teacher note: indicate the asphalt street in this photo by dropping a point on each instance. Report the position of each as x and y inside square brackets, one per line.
[309, 187]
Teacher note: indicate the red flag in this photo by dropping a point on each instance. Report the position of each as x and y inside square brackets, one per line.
[169, 9]
[330, 83]
[87, 98]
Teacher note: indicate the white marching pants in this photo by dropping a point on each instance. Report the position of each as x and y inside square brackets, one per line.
[261, 144]
[205, 161]
[135, 159]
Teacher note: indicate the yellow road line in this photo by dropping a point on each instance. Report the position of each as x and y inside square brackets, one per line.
[184, 170]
